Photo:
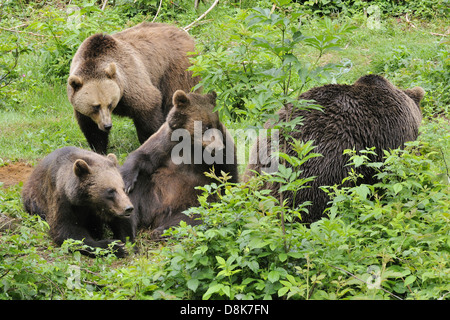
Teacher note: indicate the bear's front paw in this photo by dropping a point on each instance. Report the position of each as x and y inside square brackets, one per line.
[130, 176]
[119, 250]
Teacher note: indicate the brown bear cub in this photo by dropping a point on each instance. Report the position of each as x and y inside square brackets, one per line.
[370, 113]
[78, 192]
[162, 174]
[132, 73]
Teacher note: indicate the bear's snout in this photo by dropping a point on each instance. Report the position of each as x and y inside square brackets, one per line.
[128, 211]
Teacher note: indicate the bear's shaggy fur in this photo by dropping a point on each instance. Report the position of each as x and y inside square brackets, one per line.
[132, 73]
[370, 113]
[161, 187]
[78, 192]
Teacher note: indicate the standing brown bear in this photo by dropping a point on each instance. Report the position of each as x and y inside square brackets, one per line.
[370, 113]
[133, 73]
[162, 174]
[78, 192]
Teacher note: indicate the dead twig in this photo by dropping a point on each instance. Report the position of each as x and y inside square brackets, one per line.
[438, 34]
[446, 34]
[188, 27]
[409, 22]
[157, 12]
[104, 5]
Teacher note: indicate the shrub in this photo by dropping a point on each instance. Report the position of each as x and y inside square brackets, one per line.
[257, 68]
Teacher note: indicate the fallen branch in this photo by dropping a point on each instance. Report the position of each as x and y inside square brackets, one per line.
[409, 21]
[157, 12]
[188, 27]
[439, 34]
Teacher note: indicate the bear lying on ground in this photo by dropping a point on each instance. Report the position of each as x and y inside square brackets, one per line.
[162, 174]
[370, 113]
[78, 192]
[133, 73]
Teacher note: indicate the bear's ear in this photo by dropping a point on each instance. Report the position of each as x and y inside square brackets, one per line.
[113, 158]
[75, 82]
[81, 168]
[111, 70]
[180, 99]
[212, 97]
[416, 94]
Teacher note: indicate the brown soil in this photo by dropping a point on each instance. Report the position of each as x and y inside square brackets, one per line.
[14, 173]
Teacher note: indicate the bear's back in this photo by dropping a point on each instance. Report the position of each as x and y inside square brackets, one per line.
[370, 113]
[40, 187]
[357, 116]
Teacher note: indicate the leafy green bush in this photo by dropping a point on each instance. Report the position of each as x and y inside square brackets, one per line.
[257, 68]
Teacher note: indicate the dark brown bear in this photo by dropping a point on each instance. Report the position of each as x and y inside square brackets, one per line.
[133, 73]
[162, 174]
[78, 192]
[370, 113]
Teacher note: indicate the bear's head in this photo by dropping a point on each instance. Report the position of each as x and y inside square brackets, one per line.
[101, 187]
[195, 113]
[96, 96]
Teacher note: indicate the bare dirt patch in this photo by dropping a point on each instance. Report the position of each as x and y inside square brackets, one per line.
[13, 173]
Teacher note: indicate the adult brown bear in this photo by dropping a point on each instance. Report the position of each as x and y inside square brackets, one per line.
[162, 174]
[132, 73]
[78, 193]
[370, 113]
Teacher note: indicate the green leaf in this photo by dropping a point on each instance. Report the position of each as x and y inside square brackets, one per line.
[397, 188]
[282, 291]
[211, 290]
[273, 276]
[282, 256]
[220, 260]
[192, 284]
[362, 191]
[358, 161]
[410, 279]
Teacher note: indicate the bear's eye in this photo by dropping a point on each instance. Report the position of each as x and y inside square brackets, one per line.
[110, 106]
[110, 193]
[96, 108]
